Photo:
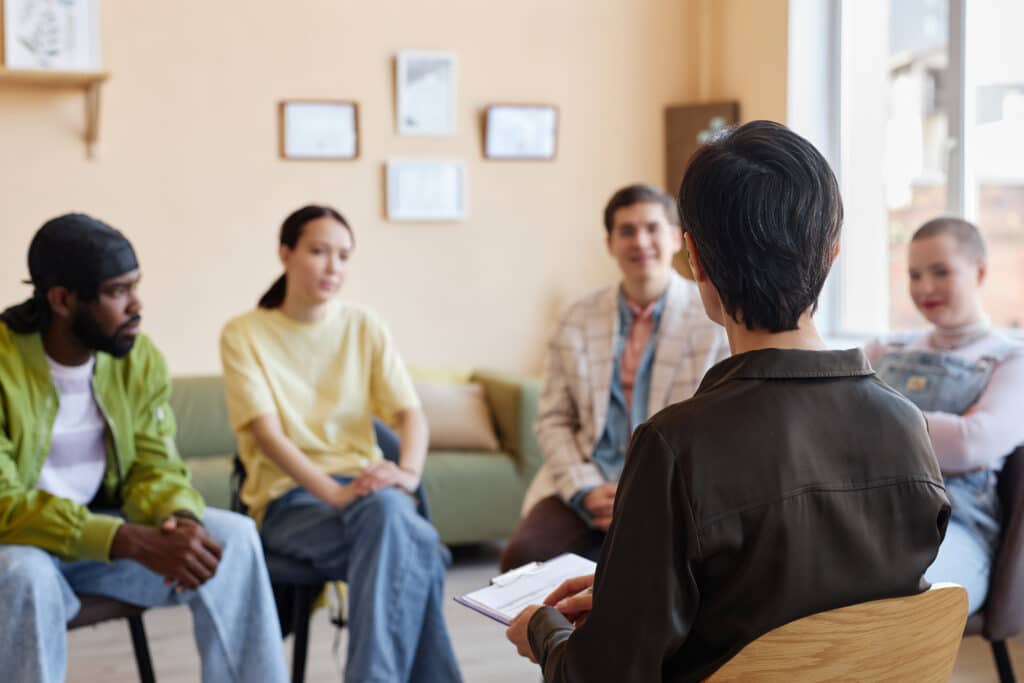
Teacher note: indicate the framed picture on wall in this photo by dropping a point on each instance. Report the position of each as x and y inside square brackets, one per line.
[426, 190]
[521, 131]
[52, 35]
[318, 130]
[425, 93]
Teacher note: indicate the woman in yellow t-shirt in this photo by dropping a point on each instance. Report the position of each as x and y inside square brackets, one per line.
[305, 374]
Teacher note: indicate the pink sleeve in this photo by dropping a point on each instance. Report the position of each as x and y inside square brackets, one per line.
[990, 429]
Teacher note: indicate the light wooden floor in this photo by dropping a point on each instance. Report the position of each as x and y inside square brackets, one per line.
[104, 653]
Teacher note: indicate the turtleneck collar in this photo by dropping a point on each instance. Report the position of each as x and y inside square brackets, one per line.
[950, 338]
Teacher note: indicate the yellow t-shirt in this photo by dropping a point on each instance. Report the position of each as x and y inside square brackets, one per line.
[324, 380]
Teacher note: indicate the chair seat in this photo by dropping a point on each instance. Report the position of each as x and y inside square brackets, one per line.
[97, 608]
[284, 569]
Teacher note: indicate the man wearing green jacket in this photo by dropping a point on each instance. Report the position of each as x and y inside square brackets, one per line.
[94, 498]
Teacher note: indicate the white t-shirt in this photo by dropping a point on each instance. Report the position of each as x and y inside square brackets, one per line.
[78, 451]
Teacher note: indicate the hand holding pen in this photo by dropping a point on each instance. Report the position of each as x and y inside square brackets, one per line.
[574, 599]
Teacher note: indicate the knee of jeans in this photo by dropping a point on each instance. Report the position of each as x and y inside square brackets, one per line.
[230, 527]
[388, 504]
[392, 507]
[26, 570]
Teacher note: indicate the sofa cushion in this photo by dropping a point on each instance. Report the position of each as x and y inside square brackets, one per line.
[211, 476]
[202, 416]
[473, 496]
[458, 415]
[439, 375]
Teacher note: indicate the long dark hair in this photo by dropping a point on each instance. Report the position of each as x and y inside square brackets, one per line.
[291, 232]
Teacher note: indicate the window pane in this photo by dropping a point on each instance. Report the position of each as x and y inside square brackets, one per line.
[916, 134]
[994, 112]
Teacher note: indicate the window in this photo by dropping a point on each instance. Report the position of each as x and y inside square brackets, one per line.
[994, 164]
[931, 117]
[917, 135]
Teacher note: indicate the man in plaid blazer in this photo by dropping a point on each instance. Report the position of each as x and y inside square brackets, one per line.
[619, 356]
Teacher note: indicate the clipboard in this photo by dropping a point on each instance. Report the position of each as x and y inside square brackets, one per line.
[510, 593]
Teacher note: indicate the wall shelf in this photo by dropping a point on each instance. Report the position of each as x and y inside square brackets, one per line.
[88, 81]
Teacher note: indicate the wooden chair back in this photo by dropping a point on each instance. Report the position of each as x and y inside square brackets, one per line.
[914, 638]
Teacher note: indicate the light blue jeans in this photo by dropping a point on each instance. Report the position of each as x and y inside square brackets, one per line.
[393, 563]
[235, 622]
[941, 382]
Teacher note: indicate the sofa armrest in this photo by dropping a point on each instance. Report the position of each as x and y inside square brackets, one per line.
[512, 400]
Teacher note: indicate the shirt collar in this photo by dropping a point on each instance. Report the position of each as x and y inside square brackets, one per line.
[787, 364]
[629, 311]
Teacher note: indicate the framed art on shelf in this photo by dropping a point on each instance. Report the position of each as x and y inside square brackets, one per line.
[426, 190]
[425, 93]
[319, 130]
[521, 131]
[51, 35]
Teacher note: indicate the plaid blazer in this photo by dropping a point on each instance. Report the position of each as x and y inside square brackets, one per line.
[578, 377]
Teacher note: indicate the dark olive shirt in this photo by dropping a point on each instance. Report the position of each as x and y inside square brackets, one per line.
[791, 483]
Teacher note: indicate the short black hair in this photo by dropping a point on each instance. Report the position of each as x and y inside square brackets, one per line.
[966, 234]
[639, 193]
[763, 208]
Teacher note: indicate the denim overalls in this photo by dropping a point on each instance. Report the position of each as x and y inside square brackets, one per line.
[941, 382]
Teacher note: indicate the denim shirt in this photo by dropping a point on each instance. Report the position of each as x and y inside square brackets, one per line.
[610, 452]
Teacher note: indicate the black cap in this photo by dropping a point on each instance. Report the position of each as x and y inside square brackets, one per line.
[78, 252]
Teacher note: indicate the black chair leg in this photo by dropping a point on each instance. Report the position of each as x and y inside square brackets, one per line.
[141, 647]
[303, 607]
[1003, 664]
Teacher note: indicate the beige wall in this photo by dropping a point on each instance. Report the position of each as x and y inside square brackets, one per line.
[187, 161]
[748, 55]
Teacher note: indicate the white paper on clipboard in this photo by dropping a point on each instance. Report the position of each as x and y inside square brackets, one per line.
[519, 588]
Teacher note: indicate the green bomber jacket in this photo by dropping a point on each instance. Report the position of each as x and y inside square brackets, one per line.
[145, 476]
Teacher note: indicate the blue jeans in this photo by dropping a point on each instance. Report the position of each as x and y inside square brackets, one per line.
[235, 622]
[392, 560]
[941, 382]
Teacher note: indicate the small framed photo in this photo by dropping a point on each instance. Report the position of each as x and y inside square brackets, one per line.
[521, 131]
[426, 190]
[59, 35]
[425, 93]
[318, 130]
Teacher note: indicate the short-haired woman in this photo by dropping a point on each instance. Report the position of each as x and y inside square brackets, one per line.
[969, 381]
[793, 482]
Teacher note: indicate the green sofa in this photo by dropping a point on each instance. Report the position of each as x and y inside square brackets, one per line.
[473, 496]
